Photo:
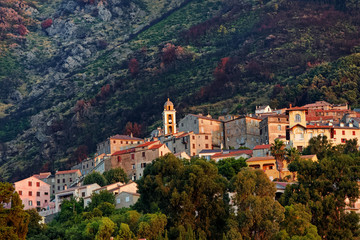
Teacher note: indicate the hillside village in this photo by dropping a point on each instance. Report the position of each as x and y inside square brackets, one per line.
[232, 136]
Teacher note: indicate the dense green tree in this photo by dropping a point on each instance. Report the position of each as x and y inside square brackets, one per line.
[70, 209]
[35, 225]
[95, 177]
[106, 229]
[323, 187]
[124, 232]
[14, 220]
[297, 224]
[320, 146]
[291, 155]
[103, 196]
[277, 149]
[258, 214]
[152, 226]
[229, 167]
[189, 193]
[115, 175]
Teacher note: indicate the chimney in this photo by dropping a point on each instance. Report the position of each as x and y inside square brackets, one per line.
[131, 135]
[290, 105]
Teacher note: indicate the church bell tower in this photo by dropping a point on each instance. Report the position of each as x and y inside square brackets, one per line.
[169, 118]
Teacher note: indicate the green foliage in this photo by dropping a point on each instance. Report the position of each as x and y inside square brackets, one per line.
[188, 193]
[35, 227]
[115, 175]
[258, 214]
[277, 150]
[95, 177]
[14, 221]
[70, 209]
[323, 187]
[103, 196]
[229, 167]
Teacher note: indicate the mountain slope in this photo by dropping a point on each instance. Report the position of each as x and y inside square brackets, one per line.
[209, 56]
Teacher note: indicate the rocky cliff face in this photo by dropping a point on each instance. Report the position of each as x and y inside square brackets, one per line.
[54, 58]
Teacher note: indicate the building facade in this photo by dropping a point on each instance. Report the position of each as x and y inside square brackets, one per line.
[273, 127]
[33, 193]
[169, 118]
[117, 143]
[242, 132]
[204, 125]
[64, 179]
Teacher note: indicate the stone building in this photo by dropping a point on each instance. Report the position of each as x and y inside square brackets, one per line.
[134, 160]
[64, 179]
[203, 125]
[117, 143]
[273, 127]
[187, 142]
[242, 132]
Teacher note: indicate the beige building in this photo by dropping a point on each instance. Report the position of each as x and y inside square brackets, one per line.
[232, 154]
[126, 199]
[203, 125]
[341, 133]
[242, 132]
[273, 127]
[134, 160]
[169, 118]
[187, 142]
[117, 143]
[64, 179]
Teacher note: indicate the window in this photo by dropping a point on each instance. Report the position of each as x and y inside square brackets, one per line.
[38, 194]
[161, 153]
[279, 127]
[343, 140]
[297, 118]
[58, 180]
[38, 184]
[118, 201]
[127, 142]
[143, 154]
[353, 132]
[132, 156]
[193, 154]
[37, 203]
[206, 145]
[46, 193]
[63, 180]
[174, 140]
[206, 137]
[30, 193]
[194, 121]
[63, 187]
[127, 199]
[83, 194]
[132, 166]
[174, 150]
[121, 142]
[119, 158]
[143, 165]
[193, 145]
[30, 184]
[334, 132]
[20, 193]
[343, 132]
[70, 180]
[58, 187]
[114, 141]
[45, 201]
[30, 203]
[300, 148]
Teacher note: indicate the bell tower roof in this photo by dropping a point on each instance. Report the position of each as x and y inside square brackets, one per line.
[168, 105]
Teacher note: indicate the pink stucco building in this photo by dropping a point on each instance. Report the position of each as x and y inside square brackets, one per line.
[33, 192]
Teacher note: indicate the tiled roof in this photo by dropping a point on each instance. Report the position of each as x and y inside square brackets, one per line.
[123, 151]
[203, 117]
[253, 159]
[42, 175]
[67, 171]
[147, 144]
[317, 104]
[264, 146]
[235, 153]
[157, 146]
[125, 137]
[296, 109]
[318, 127]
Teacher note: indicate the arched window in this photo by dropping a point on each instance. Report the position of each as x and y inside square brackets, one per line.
[297, 118]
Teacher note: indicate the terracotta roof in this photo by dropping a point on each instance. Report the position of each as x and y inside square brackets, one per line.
[125, 137]
[147, 144]
[318, 127]
[253, 159]
[67, 171]
[235, 153]
[296, 109]
[123, 151]
[267, 146]
[332, 110]
[157, 146]
[317, 104]
[183, 135]
[42, 175]
[204, 117]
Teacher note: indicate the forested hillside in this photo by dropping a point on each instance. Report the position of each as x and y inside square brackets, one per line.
[79, 71]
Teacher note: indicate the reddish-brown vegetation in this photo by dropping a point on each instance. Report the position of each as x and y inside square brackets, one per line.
[134, 67]
[133, 128]
[46, 23]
